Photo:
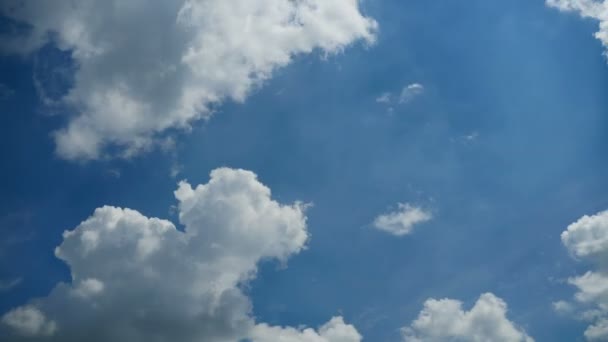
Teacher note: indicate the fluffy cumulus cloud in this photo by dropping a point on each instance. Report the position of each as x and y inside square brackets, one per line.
[594, 9]
[587, 239]
[146, 67]
[445, 320]
[333, 331]
[402, 221]
[136, 278]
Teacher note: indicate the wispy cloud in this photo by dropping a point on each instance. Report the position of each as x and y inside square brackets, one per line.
[471, 136]
[384, 98]
[406, 95]
[9, 284]
[15, 229]
[411, 92]
[175, 169]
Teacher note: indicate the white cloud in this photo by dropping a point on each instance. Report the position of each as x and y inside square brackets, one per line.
[597, 10]
[444, 320]
[333, 331]
[175, 169]
[587, 238]
[597, 331]
[139, 279]
[411, 92]
[563, 307]
[145, 68]
[402, 221]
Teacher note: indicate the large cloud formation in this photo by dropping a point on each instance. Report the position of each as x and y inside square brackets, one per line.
[444, 320]
[587, 239]
[137, 279]
[593, 9]
[145, 67]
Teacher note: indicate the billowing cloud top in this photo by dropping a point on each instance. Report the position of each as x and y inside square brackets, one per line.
[144, 67]
[136, 278]
[333, 331]
[444, 320]
[588, 237]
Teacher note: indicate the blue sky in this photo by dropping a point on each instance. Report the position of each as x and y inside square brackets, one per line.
[505, 146]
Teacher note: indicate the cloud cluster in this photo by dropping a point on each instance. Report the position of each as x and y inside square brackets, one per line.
[136, 278]
[139, 279]
[594, 9]
[444, 320]
[587, 239]
[402, 221]
[143, 68]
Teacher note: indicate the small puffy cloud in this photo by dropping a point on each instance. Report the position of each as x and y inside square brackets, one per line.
[384, 98]
[402, 221]
[593, 9]
[88, 288]
[445, 320]
[587, 238]
[333, 331]
[411, 92]
[563, 307]
[145, 68]
[137, 279]
[28, 321]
